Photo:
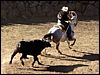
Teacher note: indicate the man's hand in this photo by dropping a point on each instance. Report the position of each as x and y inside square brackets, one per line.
[68, 21]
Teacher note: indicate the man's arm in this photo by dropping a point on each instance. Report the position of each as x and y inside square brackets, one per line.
[59, 15]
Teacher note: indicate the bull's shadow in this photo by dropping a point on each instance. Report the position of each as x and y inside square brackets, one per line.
[59, 68]
[84, 58]
[54, 68]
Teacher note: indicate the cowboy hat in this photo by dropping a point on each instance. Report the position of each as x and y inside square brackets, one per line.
[65, 9]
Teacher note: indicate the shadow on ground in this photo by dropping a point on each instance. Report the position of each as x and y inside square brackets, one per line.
[54, 68]
[87, 56]
[60, 68]
[84, 58]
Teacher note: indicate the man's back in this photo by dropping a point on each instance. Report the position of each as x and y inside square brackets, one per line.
[63, 16]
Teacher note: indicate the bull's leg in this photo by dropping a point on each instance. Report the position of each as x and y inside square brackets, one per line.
[73, 42]
[57, 47]
[34, 61]
[22, 58]
[14, 53]
[38, 61]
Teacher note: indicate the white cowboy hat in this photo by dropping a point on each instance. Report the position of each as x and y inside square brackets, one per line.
[65, 9]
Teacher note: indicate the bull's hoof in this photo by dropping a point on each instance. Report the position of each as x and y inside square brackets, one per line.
[22, 63]
[40, 63]
[10, 62]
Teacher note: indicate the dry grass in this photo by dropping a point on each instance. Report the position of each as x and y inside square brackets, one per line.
[82, 59]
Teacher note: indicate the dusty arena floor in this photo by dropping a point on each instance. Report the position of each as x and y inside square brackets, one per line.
[82, 59]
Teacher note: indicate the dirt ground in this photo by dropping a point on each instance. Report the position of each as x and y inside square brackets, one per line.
[83, 58]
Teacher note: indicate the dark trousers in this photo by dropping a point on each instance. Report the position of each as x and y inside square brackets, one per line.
[69, 32]
[65, 24]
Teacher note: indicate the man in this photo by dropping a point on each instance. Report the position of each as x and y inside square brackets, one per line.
[64, 18]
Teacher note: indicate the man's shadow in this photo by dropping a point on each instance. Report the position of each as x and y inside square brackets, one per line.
[86, 56]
